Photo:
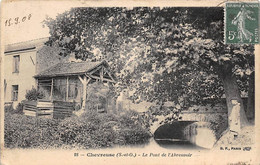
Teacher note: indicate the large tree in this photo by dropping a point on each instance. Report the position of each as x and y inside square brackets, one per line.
[161, 54]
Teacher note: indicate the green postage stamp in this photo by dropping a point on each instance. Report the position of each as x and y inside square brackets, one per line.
[242, 23]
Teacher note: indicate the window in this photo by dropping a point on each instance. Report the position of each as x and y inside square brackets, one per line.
[16, 62]
[14, 92]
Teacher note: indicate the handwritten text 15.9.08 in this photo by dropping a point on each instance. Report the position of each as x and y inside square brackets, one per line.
[17, 20]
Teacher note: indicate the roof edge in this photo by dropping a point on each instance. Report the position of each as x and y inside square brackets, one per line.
[68, 74]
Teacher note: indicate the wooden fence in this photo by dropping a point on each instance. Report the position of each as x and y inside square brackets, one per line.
[62, 109]
[50, 109]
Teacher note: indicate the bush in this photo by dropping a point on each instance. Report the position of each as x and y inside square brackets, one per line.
[91, 130]
[219, 125]
[33, 94]
[17, 110]
[8, 108]
[29, 132]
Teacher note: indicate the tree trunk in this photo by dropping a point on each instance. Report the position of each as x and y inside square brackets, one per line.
[250, 112]
[232, 93]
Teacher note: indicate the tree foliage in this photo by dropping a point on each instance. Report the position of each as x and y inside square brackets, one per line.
[160, 54]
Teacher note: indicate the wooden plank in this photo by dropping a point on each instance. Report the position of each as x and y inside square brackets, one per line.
[39, 106]
[96, 69]
[45, 107]
[109, 74]
[51, 89]
[62, 107]
[104, 79]
[28, 109]
[30, 103]
[101, 73]
[46, 110]
[45, 103]
[29, 113]
[44, 100]
[62, 114]
[42, 113]
[67, 112]
[62, 111]
[30, 106]
[67, 89]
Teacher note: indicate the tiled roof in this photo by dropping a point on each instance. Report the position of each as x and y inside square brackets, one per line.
[25, 45]
[71, 68]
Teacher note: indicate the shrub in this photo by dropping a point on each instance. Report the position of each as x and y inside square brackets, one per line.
[132, 130]
[25, 131]
[33, 94]
[91, 130]
[8, 108]
[135, 135]
[219, 125]
[19, 108]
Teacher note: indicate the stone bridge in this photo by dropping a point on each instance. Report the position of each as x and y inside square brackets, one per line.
[190, 117]
[192, 127]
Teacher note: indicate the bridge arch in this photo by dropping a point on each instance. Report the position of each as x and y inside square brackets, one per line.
[186, 132]
[172, 130]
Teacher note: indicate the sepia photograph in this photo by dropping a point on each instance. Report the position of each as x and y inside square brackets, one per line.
[129, 82]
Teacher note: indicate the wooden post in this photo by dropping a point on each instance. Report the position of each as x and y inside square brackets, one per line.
[84, 82]
[51, 89]
[84, 93]
[101, 74]
[67, 89]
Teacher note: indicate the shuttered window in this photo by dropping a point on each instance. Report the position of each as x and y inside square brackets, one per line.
[16, 63]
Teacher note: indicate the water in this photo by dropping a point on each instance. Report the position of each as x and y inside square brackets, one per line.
[180, 144]
[194, 136]
[185, 135]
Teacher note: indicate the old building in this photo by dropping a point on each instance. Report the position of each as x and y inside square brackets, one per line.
[63, 83]
[22, 61]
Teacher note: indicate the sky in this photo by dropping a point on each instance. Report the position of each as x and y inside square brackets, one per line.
[29, 24]
[37, 11]
[28, 29]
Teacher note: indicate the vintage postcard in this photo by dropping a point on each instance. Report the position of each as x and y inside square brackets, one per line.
[130, 82]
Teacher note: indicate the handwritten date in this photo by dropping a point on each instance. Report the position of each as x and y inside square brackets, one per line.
[17, 20]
